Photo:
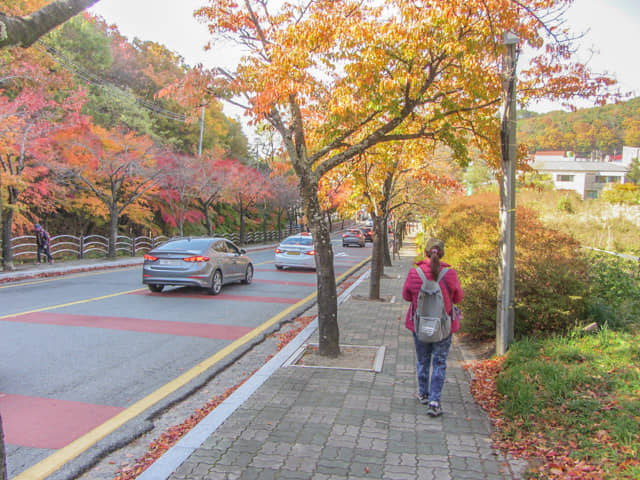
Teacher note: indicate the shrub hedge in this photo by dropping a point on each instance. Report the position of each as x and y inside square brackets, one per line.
[551, 277]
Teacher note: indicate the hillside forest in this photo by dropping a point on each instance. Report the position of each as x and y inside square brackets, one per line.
[600, 130]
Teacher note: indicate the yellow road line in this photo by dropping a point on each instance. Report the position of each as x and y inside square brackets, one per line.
[55, 461]
[30, 281]
[77, 302]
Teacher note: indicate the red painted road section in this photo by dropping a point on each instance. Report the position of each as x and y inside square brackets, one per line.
[222, 296]
[202, 330]
[284, 282]
[48, 423]
[307, 271]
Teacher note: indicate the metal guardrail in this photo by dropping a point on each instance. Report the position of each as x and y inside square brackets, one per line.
[84, 245]
[621, 255]
[24, 247]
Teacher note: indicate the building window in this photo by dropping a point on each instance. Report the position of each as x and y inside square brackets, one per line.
[591, 194]
[565, 178]
[607, 179]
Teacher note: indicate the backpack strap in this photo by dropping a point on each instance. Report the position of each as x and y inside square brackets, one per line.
[449, 293]
[442, 273]
[423, 277]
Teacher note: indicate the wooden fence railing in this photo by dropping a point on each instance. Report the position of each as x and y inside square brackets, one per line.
[24, 248]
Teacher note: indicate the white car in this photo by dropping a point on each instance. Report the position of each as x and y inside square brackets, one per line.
[296, 251]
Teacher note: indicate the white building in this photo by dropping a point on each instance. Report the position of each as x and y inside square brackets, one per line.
[582, 175]
[629, 154]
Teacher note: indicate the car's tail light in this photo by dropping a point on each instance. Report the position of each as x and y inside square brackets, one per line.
[278, 250]
[196, 258]
[344, 235]
[151, 258]
[310, 252]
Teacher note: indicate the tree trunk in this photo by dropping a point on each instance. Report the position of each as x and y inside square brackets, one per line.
[7, 255]
[264, 224]
[241, 209]
[207, 219]
[24, 31]
[329, 334]
[113, 233]
[386, 254]
[3, 454]
[376, 258]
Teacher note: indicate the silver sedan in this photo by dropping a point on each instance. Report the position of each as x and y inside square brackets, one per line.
[193, 261]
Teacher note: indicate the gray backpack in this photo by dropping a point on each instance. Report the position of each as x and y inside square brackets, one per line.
[430, 319]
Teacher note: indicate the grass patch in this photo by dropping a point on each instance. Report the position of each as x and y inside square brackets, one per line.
[572, 402]
[594, 223]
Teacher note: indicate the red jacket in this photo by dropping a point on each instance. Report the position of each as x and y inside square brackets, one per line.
[413, 283]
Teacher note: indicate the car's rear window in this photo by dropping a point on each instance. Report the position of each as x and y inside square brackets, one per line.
[355, 232]
[198, 244]
[298, 241]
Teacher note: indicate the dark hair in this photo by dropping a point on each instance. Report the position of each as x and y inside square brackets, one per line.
[434, 256]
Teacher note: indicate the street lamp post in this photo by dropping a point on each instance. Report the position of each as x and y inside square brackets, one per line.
[506, 294]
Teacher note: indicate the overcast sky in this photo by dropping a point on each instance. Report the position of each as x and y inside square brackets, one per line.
[614, 33]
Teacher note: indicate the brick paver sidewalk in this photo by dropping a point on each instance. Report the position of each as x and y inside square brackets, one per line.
[315, 423]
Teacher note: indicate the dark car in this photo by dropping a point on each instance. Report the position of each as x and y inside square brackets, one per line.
[353, 236]
[368, 233]
[194, 261]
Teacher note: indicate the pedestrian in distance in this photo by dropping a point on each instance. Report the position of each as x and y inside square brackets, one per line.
[43, 242]
[431, 358]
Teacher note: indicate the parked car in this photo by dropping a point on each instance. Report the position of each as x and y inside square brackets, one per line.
[296, 251]
[353, 236]
[194, 261]
[368, 233]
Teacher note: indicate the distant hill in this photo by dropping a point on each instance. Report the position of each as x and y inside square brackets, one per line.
[601, 129]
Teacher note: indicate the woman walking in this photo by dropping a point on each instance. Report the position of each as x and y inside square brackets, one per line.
[431, 362]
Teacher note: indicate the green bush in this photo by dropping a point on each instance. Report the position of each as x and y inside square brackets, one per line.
[614, 296]
[565, 205]
[624, 193]
[551, 273]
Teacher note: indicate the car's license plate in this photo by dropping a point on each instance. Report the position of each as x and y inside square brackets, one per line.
[293, 253]
[170, 262]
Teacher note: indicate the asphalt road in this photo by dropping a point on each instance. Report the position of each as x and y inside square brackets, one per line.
[85, 357]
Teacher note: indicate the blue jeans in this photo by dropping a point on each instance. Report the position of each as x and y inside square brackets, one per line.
[47, 253]
[429, 354]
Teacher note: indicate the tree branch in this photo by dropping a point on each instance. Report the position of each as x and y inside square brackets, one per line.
[24, 31]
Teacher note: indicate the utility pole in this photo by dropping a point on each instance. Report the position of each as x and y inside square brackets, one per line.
[201, 132]
[506, 294]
